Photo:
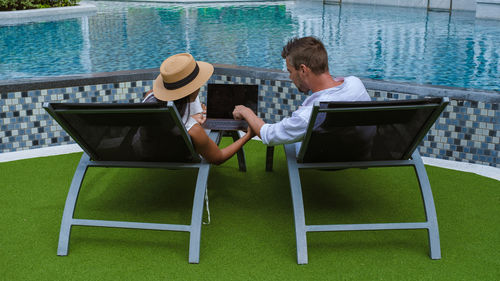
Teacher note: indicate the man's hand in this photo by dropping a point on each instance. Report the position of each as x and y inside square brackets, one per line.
[255, 123]
[239, 111]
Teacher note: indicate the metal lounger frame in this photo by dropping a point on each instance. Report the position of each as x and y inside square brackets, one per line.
[194, 228]
[413, 159]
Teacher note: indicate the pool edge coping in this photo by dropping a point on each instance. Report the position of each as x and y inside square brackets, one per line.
[46, 14]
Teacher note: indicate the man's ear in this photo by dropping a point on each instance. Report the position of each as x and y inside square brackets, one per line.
[303, 68]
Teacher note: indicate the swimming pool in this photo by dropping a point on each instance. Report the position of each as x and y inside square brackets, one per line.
[380, 42]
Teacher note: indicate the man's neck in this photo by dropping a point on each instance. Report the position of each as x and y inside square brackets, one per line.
[322, 81]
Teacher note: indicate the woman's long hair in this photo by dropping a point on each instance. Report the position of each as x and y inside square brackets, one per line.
[182, 105]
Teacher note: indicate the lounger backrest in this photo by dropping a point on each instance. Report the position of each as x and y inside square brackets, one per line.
[368, 131]
[149, 132]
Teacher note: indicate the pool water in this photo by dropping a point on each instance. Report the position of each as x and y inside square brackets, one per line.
[379, 42]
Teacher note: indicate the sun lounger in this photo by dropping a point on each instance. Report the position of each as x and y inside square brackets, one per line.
[360, 135]
[144, 135]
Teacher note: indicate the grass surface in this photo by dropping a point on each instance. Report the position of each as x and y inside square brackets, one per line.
[251, 236]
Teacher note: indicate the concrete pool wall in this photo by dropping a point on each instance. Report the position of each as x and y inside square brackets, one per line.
[486, 9]
[468, 130]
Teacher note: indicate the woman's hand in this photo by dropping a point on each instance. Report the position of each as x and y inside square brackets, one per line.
[250, 132]
[201, 117]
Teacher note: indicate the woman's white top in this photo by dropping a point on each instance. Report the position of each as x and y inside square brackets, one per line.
[187, 120]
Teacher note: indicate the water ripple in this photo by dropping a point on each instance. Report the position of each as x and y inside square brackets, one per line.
[389, 43]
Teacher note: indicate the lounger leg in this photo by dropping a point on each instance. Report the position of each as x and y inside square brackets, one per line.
[430, 209]
[298, 204]
[196, 217]
[69, 208]
[240, 153]
[215, 136]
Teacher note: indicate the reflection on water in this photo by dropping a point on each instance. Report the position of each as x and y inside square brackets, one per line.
[379, 42]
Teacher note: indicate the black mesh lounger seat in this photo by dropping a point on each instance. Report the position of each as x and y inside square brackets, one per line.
[365, 134]
[146, 135]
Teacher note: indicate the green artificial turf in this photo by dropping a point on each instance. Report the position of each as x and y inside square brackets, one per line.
[251, 236]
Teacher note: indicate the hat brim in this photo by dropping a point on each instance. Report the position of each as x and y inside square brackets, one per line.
[164, 94]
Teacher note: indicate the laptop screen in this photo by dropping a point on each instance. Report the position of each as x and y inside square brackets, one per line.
[222, 98]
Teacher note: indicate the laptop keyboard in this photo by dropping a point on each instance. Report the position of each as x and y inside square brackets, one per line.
[225, 124]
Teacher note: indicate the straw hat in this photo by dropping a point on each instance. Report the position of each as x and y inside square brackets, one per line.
[180, 75]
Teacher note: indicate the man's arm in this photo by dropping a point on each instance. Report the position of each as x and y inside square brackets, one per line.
[288, 130]
[243, 112]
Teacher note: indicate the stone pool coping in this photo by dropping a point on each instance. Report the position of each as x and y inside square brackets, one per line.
[46, 14]
[195, 1]
[20, 85]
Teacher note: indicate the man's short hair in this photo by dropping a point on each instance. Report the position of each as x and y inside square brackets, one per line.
[308, 51]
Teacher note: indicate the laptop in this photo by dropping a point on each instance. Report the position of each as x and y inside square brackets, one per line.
[221, 100]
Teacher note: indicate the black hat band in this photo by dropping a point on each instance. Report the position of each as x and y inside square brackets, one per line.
[183, 82]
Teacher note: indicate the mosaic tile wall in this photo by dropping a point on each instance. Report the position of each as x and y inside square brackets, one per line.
[467, 131]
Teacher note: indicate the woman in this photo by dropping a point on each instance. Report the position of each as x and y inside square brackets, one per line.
[180, 80]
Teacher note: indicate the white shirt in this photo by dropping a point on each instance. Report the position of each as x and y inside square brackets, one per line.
[194, 108]
[292, 129]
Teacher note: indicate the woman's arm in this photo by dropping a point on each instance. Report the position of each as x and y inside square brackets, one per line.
[210, 151]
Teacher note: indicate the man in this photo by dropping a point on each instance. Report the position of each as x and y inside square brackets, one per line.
[307, 62]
